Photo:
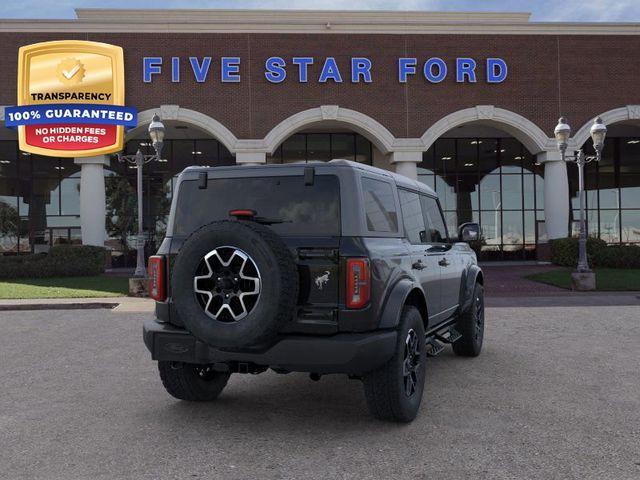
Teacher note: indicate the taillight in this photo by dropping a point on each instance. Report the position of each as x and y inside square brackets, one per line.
[157, 290]
[358, 282]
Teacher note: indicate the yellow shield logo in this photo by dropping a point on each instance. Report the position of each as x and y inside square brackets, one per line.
[70, 85]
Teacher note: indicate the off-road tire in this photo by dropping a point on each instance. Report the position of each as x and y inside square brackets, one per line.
[194, 383]
[385, 388]
[470, 325]
[279, 284]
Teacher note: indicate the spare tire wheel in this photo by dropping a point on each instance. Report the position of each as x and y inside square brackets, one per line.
[234, 284]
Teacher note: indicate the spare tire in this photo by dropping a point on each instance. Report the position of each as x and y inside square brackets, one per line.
[234, 284]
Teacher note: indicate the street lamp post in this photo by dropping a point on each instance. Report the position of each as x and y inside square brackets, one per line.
[156, 133]
[598, 132]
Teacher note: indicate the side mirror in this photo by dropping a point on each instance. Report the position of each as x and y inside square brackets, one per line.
[469, 232]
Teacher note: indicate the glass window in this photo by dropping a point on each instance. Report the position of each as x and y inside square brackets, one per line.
[630, 190]
[294, 149]
[343, 145]
[630, 221]
[610, 226]
[491, 223]
[8, 159]
[70, 196]
[512, 192]
[467, 155]
[446, 192]
[488, 156]
[490, 198]
[512, 228]
[511, 155]
[629, 155]
[436, 230]
[379, 204]
[182, 156]
[45, 166]
[297, 209]
[364, 150]
[445, 156]
[412, 216]
[318, 147]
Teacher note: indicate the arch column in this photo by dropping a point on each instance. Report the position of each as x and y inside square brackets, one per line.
[556, 194]
[93, 209]
[406, 163]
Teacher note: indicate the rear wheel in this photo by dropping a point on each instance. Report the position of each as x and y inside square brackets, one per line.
[394, 391]
[471, 326]
[195, 383]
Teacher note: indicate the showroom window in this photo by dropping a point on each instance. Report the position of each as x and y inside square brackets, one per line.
[308, 147]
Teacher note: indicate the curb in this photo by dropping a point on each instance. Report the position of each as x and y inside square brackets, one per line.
[58, 306]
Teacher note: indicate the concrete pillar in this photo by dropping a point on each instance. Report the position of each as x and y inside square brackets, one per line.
[93, 209]
[406, 163]
[251, 158]
[556, 194]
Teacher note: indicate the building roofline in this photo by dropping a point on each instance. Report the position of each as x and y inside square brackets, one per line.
[310, 21]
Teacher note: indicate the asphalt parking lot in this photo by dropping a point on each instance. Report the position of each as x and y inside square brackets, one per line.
[555, 394]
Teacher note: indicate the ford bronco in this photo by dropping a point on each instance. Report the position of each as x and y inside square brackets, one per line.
[323, 268]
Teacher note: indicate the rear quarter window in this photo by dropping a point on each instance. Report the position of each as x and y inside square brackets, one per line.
[379, 205]
[296, 209]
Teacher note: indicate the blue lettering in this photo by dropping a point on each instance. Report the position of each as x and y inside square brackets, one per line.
[275, 69]
[175, 69]
[200, 71]
[496, 70]
[330, 71]
[303, 64]
[428, 70]
[151, 66]
[230, 69]
[406, 66]
[360, 67]
[465, 67]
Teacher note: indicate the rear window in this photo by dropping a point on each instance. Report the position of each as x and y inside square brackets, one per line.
[309, 210]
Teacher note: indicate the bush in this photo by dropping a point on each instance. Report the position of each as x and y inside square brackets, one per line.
[61, 261]
[564, 252]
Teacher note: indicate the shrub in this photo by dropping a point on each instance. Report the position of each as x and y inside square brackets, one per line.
[61, 261]
[564, 252]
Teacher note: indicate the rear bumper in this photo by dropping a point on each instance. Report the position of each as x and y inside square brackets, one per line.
[350, 353]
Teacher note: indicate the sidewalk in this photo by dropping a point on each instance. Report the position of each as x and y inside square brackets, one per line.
[116, 304]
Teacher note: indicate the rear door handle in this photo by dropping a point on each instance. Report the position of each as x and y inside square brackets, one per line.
[444, 262]
[418, 265]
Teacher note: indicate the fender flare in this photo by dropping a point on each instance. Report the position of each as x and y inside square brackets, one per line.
[392, 309]
[467, 285]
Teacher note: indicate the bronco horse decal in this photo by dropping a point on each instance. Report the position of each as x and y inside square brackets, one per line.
[322, 280]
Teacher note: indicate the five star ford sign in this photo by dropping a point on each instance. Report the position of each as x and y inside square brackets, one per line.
[70, 99]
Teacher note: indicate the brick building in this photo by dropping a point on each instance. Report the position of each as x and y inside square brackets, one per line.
[465, 102]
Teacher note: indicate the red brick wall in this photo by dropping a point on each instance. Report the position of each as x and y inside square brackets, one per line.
[578, 76]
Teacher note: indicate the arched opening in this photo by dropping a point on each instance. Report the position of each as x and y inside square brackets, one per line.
[185, 145]
[39, 199]
[612, 186]
[324, 142]
[483, 174]
[329, 132]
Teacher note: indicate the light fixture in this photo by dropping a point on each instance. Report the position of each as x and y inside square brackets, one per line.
[446, 158]
[197, 152]
[469, 164]
[502, 150]
[476, 142]
[517, 158]
[5, 161]
[632, 142]
[59, 168]
[598, 132]
[156, 133]
[562, 133]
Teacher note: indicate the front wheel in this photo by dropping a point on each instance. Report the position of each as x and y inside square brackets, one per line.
[394, 391]
[470, 324]
[191, 382]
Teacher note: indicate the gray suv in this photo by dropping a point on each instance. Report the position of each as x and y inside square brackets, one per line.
[323, 268]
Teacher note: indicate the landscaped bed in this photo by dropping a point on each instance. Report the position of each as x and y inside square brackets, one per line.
[607, 279]
[69, 287]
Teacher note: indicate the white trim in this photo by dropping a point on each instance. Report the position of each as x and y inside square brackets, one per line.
[200, 120]
[629, 112]
[531, 136]
[382, 138]
[310, 21]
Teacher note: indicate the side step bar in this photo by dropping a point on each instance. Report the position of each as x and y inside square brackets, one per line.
[435, 342]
